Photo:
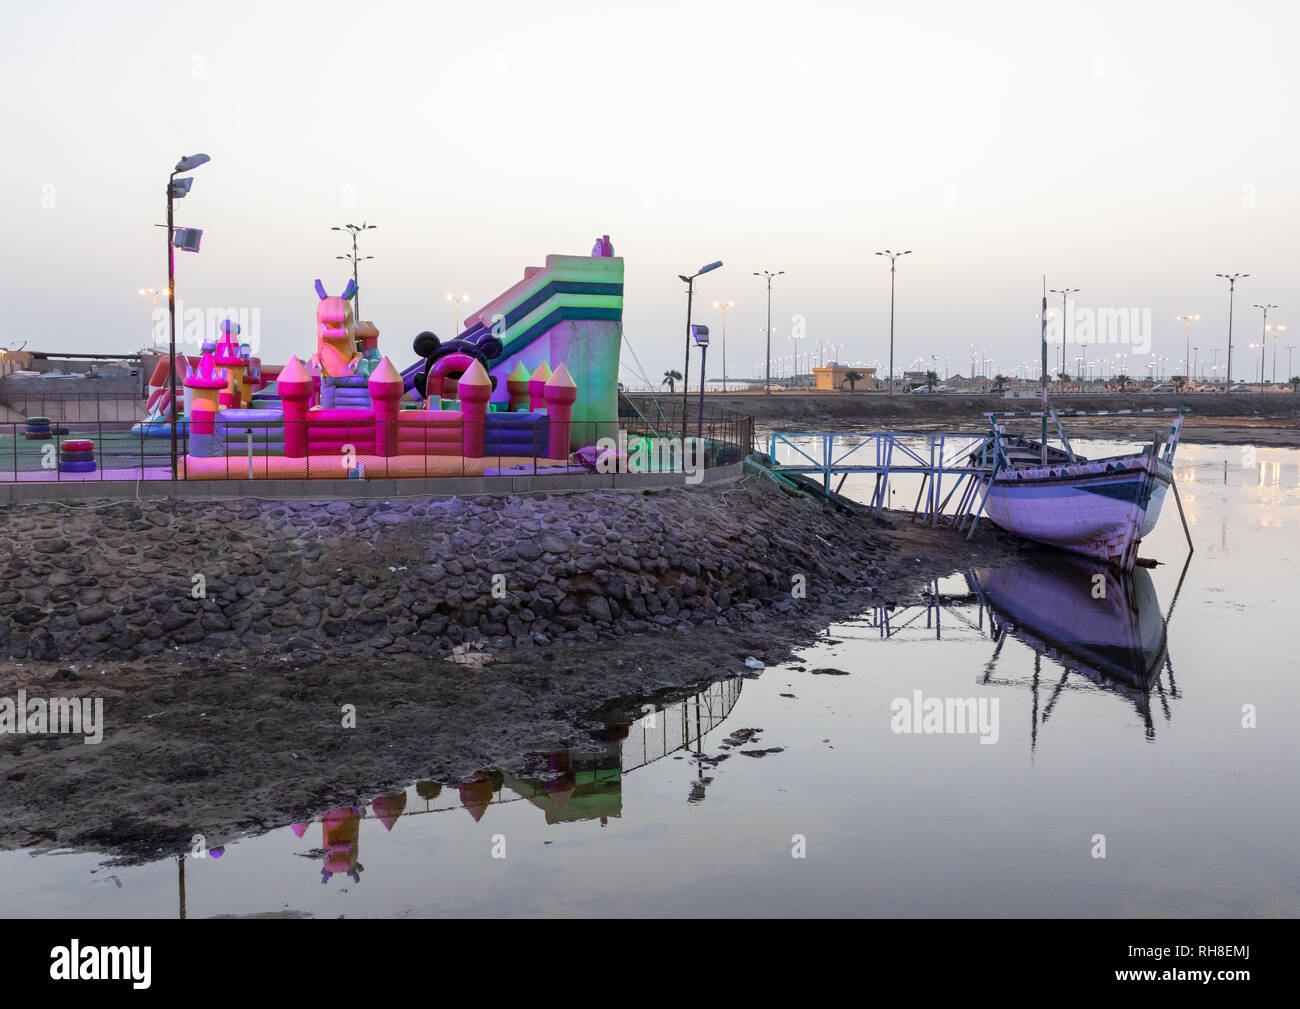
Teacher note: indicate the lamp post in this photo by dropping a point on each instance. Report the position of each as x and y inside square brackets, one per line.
[767, 382]
[1188, 319]
[1232, 279]
[176, 189]
[724, 305]
[893, 256]
[701, 335]
[1065, 293]
[686, 370]
[457, 299]
[356, 229]
[1276, 330]
[153, 317]
[1263, 340]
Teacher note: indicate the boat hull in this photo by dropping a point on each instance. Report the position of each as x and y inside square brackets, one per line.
[1099, 509]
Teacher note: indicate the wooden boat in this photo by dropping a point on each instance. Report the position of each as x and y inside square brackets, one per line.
[1101, 508]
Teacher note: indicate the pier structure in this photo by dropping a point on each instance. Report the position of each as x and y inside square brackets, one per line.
[944, 461]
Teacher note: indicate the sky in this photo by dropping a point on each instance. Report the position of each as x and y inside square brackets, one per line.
[1131, 150]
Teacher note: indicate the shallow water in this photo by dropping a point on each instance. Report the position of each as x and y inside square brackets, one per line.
[1108, 722]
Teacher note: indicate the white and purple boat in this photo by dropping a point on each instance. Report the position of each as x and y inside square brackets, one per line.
[1101, 508]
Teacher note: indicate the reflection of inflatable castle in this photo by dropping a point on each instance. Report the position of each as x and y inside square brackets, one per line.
[532, 377]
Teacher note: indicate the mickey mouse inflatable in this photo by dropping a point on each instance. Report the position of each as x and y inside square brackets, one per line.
[444, 363]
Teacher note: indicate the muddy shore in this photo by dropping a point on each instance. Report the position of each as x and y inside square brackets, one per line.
[225, 715]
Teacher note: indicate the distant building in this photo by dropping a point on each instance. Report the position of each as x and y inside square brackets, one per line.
[834, 377]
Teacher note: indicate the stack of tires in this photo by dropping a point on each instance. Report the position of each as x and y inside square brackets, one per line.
[77, 455]
[38, 429]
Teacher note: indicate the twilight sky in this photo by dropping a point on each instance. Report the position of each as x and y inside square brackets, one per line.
[1132, 150]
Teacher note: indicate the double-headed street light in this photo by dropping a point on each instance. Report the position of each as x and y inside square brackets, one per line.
[457, 299]
[767, 379]
[1232, 279]
[893, 256]
[188, 239]
[1263, 340]
[724, 305]
[1276, 329]
[153, 292]
[1065, 293]
[689, 281]
[1187, 361]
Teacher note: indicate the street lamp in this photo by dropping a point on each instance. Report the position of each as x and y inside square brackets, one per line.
[153, 318]
[893, 256]
[701, 335]
[1065, 293]
[1188, 319]
[1276, 330]
[1232, 279]
[457, 299]
[356, 229]
[690, 297]
[177, 189]
[767, 382]
[1263, 340]
[724, 305]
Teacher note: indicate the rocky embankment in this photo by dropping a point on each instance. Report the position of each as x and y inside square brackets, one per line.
[225, 718]
[130, 581]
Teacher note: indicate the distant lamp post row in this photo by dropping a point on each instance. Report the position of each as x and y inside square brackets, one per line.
[183, 238]
[893, 257]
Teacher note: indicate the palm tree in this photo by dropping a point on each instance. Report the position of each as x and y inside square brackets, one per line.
[1179, 382]
[999, 382]
[1295, 383]
[930, 379]
[1122, 381]
[853, 378]
[1063, 377]
[671, 378]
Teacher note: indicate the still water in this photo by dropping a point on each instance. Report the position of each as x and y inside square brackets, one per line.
[1118, 722]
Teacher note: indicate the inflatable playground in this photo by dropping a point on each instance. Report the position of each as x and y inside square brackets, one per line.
[530, 380]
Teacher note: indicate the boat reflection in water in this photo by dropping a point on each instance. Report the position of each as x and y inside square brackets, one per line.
[568, 785]
[1092, 620]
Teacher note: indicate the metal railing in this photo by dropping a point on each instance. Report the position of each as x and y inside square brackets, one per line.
[243, 450]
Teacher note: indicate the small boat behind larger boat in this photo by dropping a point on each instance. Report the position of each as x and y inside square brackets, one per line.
[1101, 508]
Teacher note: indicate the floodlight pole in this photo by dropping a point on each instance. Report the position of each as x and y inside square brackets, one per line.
[356, 281]
[171, 316]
